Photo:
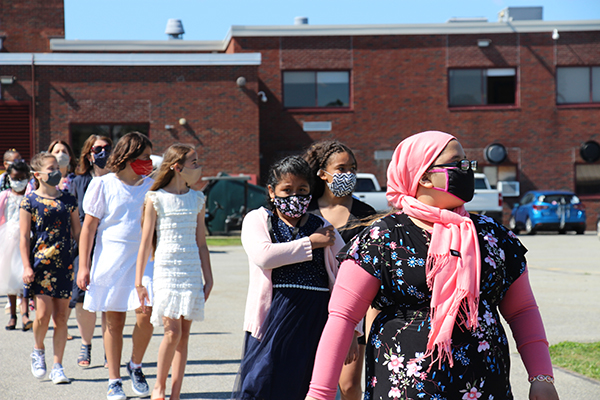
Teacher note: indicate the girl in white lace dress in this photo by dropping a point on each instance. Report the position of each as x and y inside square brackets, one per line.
[174, 226]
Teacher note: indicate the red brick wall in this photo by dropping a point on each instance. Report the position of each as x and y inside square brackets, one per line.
[29, 24]
[399, 87]
[221, 118]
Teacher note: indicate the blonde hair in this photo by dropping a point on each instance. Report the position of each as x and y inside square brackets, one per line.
[175, 154]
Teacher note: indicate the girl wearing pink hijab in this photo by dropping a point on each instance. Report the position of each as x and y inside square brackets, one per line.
[441, 278]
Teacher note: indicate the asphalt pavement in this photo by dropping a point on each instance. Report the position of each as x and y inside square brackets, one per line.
[564, 273]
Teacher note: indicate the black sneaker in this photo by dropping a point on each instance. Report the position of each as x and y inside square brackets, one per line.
[138, 381]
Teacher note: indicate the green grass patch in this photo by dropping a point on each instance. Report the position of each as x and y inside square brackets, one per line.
[223, 241]
[583, 358]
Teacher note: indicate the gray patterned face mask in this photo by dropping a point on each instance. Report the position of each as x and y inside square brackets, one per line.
[343, 183]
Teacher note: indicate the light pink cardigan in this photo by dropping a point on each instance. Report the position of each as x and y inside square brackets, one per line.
[264, 256]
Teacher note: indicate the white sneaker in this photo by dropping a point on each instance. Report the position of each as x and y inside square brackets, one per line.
[58, 375]
[38, 364]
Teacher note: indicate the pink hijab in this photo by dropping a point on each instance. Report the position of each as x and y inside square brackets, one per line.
[452, 277]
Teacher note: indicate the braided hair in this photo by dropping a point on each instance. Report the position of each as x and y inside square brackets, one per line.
[318, 155]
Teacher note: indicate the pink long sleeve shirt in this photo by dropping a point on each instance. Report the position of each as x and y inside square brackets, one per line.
[354, 291]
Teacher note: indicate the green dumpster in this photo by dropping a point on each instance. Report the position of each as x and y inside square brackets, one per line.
[228, 200]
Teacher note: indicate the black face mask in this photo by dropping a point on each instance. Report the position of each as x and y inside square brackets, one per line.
[459, 183]
[100, 159]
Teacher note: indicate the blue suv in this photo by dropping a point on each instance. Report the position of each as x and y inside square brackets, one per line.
[545, 210]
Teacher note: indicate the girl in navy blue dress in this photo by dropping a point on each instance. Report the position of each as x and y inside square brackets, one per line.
[292, 269]
[48, 223]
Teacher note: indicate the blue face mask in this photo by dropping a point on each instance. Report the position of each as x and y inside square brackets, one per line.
[100, 159]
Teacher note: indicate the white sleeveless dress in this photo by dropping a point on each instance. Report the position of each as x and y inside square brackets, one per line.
[177, 281]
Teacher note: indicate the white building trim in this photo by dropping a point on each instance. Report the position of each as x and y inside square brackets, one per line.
[131, 59]
[452, 28]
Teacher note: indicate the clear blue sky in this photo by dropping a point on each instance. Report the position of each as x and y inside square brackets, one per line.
[211, 19]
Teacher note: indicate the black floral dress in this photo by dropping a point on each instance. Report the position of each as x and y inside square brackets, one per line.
[394, 250]
[51, 245]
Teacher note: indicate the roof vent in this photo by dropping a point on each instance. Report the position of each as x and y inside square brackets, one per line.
[520, 14]
[174, 29]
[301, 21]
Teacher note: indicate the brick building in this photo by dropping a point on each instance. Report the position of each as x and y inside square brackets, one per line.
[524, 88]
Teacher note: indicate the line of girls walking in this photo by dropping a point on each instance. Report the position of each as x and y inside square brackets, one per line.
[97, 213]
[431, 278]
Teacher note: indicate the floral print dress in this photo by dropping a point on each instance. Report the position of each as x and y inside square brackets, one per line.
[394, 250]
[51, 245]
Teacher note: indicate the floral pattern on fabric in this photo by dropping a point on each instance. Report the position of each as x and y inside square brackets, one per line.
[51, 245]
[394, 250]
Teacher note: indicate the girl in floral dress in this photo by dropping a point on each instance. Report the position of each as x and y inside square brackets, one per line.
[48, 223]
[441, 278]
[175, 214]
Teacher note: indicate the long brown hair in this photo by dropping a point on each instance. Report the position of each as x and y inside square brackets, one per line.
[175, 154]
[128, 148]
[84, 166]
[72, 159]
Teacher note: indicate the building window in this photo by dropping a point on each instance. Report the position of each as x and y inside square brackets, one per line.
[587, 179]
[80, 132]
[482, 87]
[577, 85]
[306, 89]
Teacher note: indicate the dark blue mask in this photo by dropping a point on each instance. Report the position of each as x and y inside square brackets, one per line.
[100, 159]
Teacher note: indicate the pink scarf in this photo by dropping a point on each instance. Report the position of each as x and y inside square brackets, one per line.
[453, 260]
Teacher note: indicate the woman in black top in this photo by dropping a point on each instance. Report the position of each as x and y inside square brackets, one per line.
[334, 165]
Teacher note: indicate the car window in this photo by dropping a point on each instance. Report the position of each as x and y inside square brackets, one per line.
[364, 185]
[527, 199]
[557, 199]
[480, 183]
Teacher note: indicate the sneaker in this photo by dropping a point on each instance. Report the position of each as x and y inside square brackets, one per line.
[115, 391]
[38, 364]
[57, 375]
[138, 381]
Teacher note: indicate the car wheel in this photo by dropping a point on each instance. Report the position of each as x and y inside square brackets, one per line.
[529, 227]
[562, 231]
[580, 231]
[512, 225]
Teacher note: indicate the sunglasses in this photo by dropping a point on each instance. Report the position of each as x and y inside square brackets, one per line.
[98, 149]
[464, 165]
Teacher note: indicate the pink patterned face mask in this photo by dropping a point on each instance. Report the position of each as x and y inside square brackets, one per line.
[293, 206]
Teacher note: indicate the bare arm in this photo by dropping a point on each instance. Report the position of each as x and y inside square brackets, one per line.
[24, 245]
[144, 252]
[75, 225]
[86, 241]
[204, 254]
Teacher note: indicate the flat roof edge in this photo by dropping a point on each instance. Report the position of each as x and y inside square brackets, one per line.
[137, 45]
[131, 59]
[415, 29]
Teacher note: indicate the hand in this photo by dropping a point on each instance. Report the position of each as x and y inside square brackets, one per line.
[143, 296]
[28, 275]
[542, 391]
[352, 351]
[83, 279]
[323, 237]
[208, 285]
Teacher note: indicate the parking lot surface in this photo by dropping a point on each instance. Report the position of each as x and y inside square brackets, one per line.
[564, 273]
